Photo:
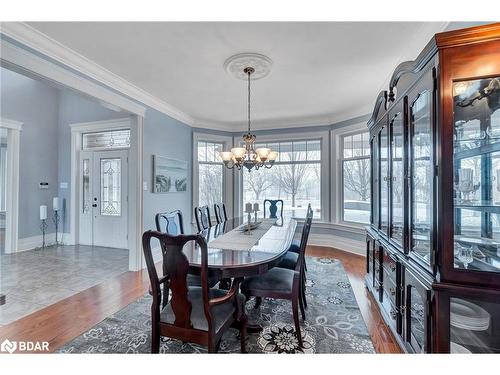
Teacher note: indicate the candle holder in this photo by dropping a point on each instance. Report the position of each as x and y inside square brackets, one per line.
[43, 228]
[249, 224]
[56, 223]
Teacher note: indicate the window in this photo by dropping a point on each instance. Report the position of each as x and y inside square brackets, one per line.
[295, 178]
[355, 161]
[110, 139]
[211, 173]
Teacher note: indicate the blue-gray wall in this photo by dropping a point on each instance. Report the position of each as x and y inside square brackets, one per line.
[165, 136]
[74, 109]
[35, 104]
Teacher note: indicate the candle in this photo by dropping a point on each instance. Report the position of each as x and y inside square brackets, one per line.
[248, 207]
[43, 212]
[55, 203]
[256, 207]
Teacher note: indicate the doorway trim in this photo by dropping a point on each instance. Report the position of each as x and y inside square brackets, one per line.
[12, 202]
[135, 177]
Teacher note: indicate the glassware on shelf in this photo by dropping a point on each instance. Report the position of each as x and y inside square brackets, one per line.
[466, 184]
[465, 254]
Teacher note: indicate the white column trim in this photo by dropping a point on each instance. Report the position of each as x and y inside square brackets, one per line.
[12, 203]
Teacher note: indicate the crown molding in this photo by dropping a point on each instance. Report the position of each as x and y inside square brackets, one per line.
[62, 54]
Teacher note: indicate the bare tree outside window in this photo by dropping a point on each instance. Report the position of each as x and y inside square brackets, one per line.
[211, 173]
[356, 177]
[295, 178]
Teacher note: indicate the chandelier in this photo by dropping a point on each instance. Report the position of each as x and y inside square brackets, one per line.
[248, 156]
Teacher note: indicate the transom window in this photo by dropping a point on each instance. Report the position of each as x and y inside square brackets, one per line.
[106, 140]
[355, 161]
[295, 178]
[211, 173]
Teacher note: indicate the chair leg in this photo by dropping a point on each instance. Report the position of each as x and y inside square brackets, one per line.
[295, 310]
[243, 332]
[258, 301]
[301, 305]
[303, 290]
[155, 339]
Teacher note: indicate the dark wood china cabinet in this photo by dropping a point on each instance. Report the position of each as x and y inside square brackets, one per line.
[433, 245]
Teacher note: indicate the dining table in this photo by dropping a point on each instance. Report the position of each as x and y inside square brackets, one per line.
[230, 259]
[233, 261]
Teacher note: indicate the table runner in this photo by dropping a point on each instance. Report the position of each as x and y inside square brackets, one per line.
[238, 240]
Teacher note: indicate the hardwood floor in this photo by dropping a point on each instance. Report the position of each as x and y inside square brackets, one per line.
[67, 319]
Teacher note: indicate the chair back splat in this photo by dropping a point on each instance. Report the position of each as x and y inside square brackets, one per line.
[220, 212]
[304, 238]
[170, 222]
[274, 205]
[202, 216]
[175, 268]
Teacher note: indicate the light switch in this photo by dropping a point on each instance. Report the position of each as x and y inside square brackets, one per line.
[63, 185]
[145, 186]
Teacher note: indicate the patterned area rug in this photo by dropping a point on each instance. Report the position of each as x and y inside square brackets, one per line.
[333, 323]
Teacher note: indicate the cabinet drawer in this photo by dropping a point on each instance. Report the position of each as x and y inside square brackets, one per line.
[391, 311]
[390, 263]
[378, 272]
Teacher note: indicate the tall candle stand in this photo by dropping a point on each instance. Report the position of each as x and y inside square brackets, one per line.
[43, 228]
[56, 222]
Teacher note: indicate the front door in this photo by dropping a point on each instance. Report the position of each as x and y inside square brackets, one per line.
[104, 198]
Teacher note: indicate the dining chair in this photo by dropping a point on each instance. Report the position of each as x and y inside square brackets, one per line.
[220, 212]
[197, 314]
[282, 283]
[273, 207]
[291, 257]
[202, 215]
[172, 223]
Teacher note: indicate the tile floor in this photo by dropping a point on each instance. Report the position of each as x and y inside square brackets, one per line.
[32, 280]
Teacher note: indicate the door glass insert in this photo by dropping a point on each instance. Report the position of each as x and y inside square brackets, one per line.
[417, 317]
[384, 180]
[397, 203]
[86, 186]
[472, 326]
[110, 186]
[106, 140]
[477, 174]
[421, 176]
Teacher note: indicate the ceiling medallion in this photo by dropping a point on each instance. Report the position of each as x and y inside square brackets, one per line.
[248, 156]
[236, 64]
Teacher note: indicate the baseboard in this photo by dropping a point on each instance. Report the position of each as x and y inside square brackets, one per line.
[29, 243]
[337, 242]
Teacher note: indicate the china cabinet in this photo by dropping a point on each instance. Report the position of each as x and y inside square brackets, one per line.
[433, 245]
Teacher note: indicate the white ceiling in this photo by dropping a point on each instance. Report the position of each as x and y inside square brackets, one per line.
[322, 72]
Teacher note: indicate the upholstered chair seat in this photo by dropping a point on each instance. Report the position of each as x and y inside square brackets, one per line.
[289, 261]
[279, 280]
[220, 313]
[295, 246]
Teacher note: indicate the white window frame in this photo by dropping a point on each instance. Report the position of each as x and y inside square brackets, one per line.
[337, 136]
[227, 190]
[323, 137]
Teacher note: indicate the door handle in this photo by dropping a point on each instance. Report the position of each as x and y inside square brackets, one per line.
[94, 205]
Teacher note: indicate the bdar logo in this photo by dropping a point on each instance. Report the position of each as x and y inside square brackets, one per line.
[8, 346]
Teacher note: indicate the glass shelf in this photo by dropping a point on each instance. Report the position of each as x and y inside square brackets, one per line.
[477, 175]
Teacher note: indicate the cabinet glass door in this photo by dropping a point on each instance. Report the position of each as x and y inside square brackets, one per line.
[417, 314]
[384, 179]
[476, 156]
[421, 173]
[397, 182]
[472, 326]
[375, 182]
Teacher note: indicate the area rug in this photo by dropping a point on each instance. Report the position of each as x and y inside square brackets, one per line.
[333, 323]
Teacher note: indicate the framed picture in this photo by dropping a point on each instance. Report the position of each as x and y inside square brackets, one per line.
[169, 175]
